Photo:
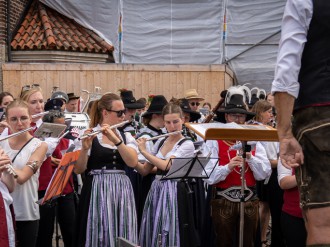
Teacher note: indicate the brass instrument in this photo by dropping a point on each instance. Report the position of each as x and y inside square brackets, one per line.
[91, 96]
[15, 134]
[99, 131]
[165, 135]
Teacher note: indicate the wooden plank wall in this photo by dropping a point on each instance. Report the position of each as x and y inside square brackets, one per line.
[143, 80]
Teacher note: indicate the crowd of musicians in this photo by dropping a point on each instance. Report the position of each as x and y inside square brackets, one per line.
[117, 189]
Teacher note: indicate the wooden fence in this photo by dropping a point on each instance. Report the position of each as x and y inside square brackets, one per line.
[143, 80]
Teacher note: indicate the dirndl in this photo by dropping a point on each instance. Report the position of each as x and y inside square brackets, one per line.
[160, 221]
[111, 212]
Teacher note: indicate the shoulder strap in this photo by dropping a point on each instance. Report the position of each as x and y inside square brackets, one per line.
[179, 144]
[123, 136]
[22, 149]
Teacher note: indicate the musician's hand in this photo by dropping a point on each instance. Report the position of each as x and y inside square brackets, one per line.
[55, 161]
[110, 134]
[142, 144]
[236, 161]
[4, 160]
[87, 142]
[291, 152]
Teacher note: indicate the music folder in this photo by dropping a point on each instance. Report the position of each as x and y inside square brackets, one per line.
[60, 177]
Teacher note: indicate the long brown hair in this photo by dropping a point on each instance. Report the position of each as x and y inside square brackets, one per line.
[259, 107]
[105, 102]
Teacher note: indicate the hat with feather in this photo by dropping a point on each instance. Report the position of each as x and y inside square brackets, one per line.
[235, 102]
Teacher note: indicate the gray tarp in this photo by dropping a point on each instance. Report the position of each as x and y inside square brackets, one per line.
[187, 32]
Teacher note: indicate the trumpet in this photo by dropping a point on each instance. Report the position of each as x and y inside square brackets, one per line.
[99, 131]
[40, 114]
[15, 134]
[165, 135]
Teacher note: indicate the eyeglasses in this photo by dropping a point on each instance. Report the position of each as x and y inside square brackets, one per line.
[237, 116]
[119, 113]
[22, 119]
[194, 103]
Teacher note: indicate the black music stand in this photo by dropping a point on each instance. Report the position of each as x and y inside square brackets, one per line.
[184, 168]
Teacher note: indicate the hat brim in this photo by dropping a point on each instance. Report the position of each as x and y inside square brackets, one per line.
[195, 98]
[134, 106]
[75, 97]
[220, 115]
[194, 116]
[149, 113]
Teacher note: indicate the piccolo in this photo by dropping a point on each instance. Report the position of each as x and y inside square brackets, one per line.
[15, 134]
[40, 114]
[165, 135]
[99, 131]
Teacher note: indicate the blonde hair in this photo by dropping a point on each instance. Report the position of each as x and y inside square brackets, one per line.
[17, 103]
[27, 94]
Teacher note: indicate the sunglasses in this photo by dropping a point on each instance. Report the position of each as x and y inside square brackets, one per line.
[195, 103]
[119, 113]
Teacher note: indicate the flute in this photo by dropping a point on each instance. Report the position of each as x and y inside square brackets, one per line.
[10, 170]
[40, 114]
[168, 134]
[15, 134]
[99, 131]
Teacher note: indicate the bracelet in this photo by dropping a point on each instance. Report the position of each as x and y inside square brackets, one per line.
[34, 166]
[117, 144]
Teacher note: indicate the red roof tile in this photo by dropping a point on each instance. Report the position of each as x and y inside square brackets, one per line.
[45, 29]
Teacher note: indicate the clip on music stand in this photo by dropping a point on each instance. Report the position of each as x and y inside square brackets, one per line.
[60, 177]
[183, 168]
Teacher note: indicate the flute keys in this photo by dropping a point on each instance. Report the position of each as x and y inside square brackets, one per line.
[11, 170]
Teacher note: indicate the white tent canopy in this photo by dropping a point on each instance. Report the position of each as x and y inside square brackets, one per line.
[244, 34]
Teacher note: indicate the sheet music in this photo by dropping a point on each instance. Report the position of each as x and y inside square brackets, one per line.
[49, 130]
[181, 166]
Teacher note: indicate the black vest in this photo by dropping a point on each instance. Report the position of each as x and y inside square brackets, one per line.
[314, 75]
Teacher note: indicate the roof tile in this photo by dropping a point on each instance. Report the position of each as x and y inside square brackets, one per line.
[45, 29]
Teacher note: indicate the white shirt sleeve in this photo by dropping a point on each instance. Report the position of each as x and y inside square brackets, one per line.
[282, 171]
[295, 23]
[259, 163]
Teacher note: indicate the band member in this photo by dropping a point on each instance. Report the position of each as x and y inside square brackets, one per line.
[226, 177]
[292, 222]
[27, 154]
[194, 101]
[7, 185]
[163, 220]
[131, 106]
[154, 123]
[64, 205]
[73, 103]
[107, 207]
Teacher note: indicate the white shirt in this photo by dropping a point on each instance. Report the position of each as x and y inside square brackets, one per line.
[259, 164]
[7, 201]
[295, 23]
[25, 195]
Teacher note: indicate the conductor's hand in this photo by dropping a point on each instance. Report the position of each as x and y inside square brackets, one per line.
[141, 142]
[236, 161]
[87, 142]
[291, 153]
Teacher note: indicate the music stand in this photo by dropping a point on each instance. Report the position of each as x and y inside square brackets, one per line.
[60, 177]
[244, 133]
[184, 168]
